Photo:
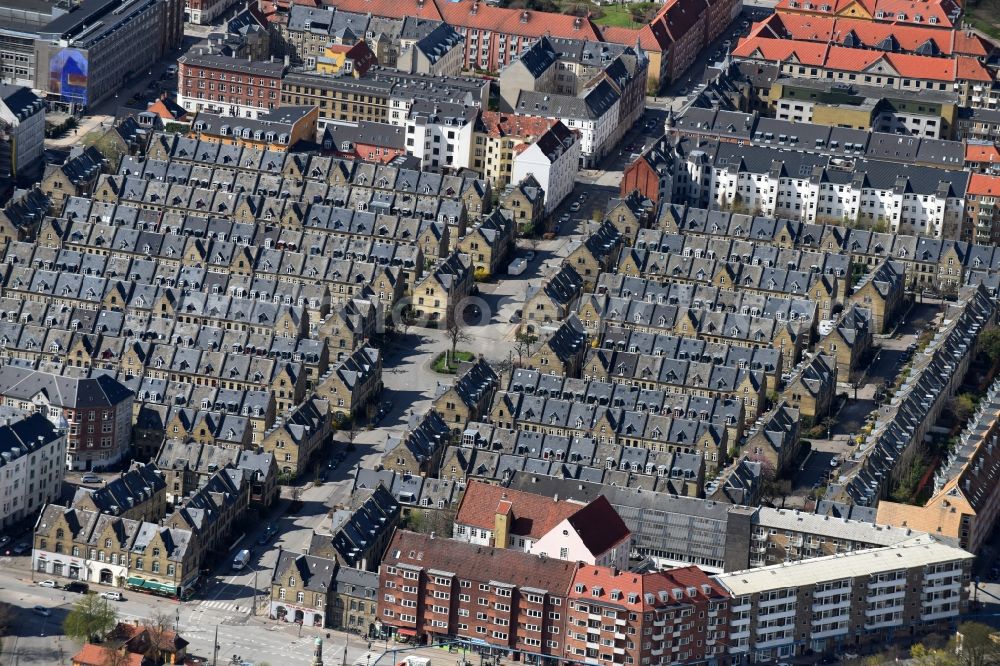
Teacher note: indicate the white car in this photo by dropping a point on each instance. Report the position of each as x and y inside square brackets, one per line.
[90, 478]
[834, 462]
[48, 583]
[575, 207]
[112, 596]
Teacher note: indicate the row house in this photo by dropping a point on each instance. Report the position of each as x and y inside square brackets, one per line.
[926, 261]
[22, 215]
[352, 385]
[358, 536]
[964, 502]
[232, 86]
[74, 177]
[110, 550]
[812, 388]
[716, 409]
[489, 243]
[768, 360]
[302, 589]
[213, 510]
[418, 450]
[657, 432]
[620, 291]
[187, 464]
[881, 293]
[139, 494]
[296, 437]
[849, 341]
[776, 438]
[597, 253]
[439, 294]
[211, 415]
[469, 397]
[920, 400]
[705, 380]
[562, 352]
[552, 300]
[789, 335]
[492, 453]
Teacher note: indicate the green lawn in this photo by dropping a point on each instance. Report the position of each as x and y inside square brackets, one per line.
[439, 364]
[617, 15]
[980, 20]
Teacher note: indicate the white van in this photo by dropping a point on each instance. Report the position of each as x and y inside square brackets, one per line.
[241, 559]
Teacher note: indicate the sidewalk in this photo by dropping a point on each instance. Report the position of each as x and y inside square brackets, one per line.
[74, 135]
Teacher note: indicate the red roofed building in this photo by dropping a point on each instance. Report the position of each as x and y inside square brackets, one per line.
[982, 215]
[98, 655]
[935, 13]
[900, 71]
[431, 588]
[492, 515]
[680, 616]
[858, 33]
[982, 157]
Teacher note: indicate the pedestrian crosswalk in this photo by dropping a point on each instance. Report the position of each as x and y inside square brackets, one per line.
[228, 606]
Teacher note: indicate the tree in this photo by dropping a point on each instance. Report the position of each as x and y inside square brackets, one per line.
[975, 646]
[159, 629]
[90, 619]
[456, 333]
[989, 343]
[961, 407]
[926, 656]
[653, 86]
[522, 345]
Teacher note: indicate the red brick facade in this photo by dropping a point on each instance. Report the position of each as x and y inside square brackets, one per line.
[639, 175]
[434, 590]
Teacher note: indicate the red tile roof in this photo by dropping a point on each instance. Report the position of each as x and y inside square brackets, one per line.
[499, 124]
[982, 152]
[817, 54]
[654, 583]
[869, 33]
[534, 515]
[982, 185]
[527, 23]
[480, 563]
[942, 10]
[97, 655]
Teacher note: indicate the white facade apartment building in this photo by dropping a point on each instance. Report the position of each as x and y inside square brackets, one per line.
[32, 464]
[844, 601]
[554, 161]
[909, 199]
[440, 134]
[594, 115]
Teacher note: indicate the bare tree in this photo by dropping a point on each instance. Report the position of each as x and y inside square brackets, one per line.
[522, 345]
[159, 629]
[457, 334]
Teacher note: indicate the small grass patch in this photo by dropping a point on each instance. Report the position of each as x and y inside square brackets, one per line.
[447, 366]
[981, 19]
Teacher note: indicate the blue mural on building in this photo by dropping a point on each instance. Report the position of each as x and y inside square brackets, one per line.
[68, 70]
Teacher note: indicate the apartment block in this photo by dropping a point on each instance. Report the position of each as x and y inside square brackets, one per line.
[32, 464]
[848, 601]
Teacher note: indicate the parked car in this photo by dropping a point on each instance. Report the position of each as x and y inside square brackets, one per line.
[41, 610]
[21, 548]
[530, 255]
[48, 583]
[90, 477]
[516, 317]
[4, 540]
[113, 596]
[77, 586]
[575, 207]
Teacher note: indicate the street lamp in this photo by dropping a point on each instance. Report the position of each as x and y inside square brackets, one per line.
[177, 619]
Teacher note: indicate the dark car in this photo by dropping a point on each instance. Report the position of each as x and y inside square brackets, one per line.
[78, 587]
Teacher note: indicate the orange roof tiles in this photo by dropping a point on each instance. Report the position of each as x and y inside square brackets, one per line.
[507, 124]
[956, 68]
[982, 185]
[869, 33]
[534, 515]
[941, 10]
[982, 152]
[629, 583]
[97, 655]
[516, 21]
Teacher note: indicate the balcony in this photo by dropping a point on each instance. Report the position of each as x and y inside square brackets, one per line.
[950, 573]
[880, 624]
[777, 615]
[833, 605]
[619, 650]
[873, 612]
[619, 636]
[938, 615]
[775, 642]
[943, 586]
[776, 602]
[741, 608]
[659, 637]
[833, 631]
[822, 594]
